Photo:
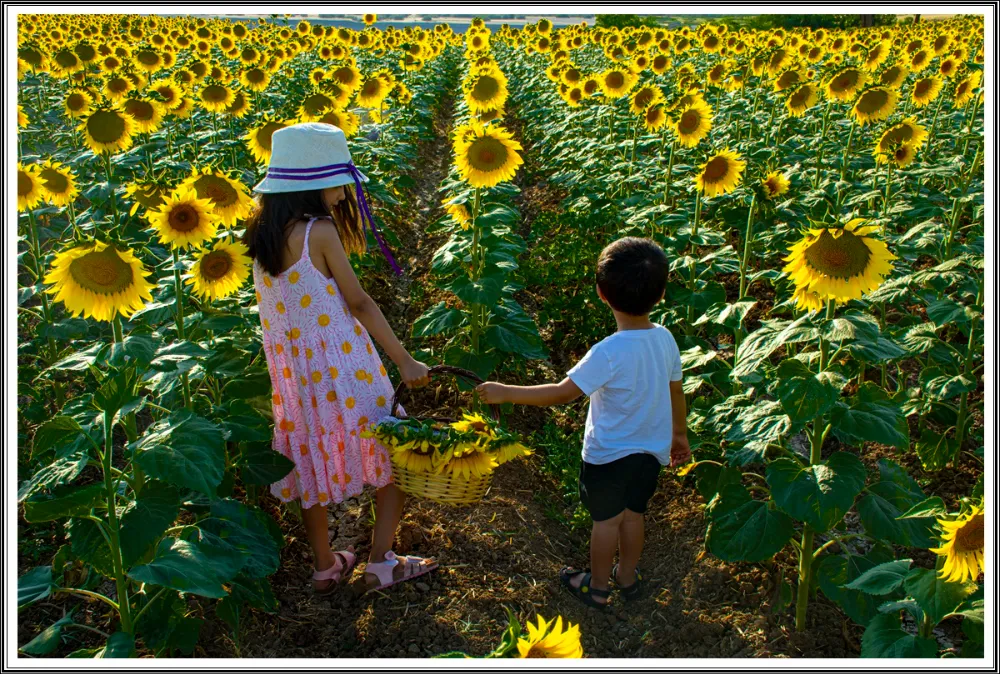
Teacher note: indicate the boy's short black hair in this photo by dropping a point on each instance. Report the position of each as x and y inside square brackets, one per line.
[632, 274]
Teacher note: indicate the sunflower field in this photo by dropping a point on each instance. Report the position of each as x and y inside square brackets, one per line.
[820, 194]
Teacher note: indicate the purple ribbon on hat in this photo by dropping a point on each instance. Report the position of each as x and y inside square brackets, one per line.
[333, 170]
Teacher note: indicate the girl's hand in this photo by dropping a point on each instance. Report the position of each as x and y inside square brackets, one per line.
[415, 374]
[492, 392]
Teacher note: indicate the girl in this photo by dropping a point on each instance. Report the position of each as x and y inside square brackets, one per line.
[328, 382]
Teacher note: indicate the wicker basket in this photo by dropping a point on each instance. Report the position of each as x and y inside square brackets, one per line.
[443, 488]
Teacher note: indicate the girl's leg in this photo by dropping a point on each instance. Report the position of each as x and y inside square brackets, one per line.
[631, 536]
[388, 510]
[318, 533]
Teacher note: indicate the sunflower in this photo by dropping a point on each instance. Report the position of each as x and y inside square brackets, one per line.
[216, 97]
[29, 187]
[348, 76]
[372, 92]
[509, 451]
[693, 123]
[844, 85]
[230, 199]
[345, 120]
[775, 184]
[172, 94]
[184, 220]
[58, 183]
[409, 457]
[807, 300]
[487, 156]
[370, 19]
[99, 281]
[963, 547]
[148, 195]
[894, 76]
[617, 82]
[255, 79]
[903, 155]
[874, 104]
[654, 118]
[78, 102]
[22, 119]
[107, 130]
[459, 214]
[644, 97]
[548, 640]
[220, 272]
[925, 91]
[471, 422]
[876, 56]
[116, 88]
[907, 132]
[240, 106]
[801, 99]
[839, 263]
[485, 91]
[184, 109]
[964, 89]
[147, 116]
[720, 174]
[471, 463]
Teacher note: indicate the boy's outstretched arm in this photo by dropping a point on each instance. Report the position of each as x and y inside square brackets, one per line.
[543, 395]
[680, 449]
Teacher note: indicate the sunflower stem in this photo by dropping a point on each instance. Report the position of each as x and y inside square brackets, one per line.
[888, 187]
[743, 272]
[475, 268]
[179, 298]
[693, 264]
[931, 150]
[963, 403]
[822, 140]
[670, 172]
[847, 152]
[36, 254]
[121, 582]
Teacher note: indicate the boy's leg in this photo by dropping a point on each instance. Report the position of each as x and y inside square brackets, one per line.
[631, 536]
[603, 543]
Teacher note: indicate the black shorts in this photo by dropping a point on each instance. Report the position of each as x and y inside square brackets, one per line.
[609, 488]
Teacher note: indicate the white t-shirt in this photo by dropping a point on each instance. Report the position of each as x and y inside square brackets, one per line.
[627, 376]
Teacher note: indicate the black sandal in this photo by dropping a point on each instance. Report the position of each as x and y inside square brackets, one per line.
[632, 591]
[585, 593]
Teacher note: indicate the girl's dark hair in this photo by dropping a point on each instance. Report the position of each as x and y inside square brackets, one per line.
[268, 227]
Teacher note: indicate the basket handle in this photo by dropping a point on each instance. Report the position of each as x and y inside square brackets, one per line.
[443, 369]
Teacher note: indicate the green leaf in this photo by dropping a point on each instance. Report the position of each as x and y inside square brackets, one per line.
[882, 579]
[728, 315]
[254, 591]
[946, 311]
[819, 494]
[436, 320]
[64, 469]
[932, 507]
[757, 426]
[935, 450]
[82, 359]
[34, 586]
[695, 357]
[89, 545]
[712, 477]
[757, 348]
[120, 645]
[744, 530]
[197, 567]
[872, 417]
[482, 365]
[64, 501]
[885, 638]
[54, 432]
[485, 291]
[172, 356]
[246, 428]
[117, 390]
[185, 450]
[939, 385]
[835, 572]
[261, 465]
[893, 495]
[936, 596]
[49, 639]
[150, 516]
[806, 396]
[851, 326]
[242, 527]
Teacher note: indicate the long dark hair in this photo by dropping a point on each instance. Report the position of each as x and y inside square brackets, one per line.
[268, 227]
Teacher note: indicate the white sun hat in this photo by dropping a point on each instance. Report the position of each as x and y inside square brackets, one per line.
[314, 156]
[309, 156]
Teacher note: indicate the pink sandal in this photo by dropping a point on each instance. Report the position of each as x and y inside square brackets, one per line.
[413, 567]
[336, 573]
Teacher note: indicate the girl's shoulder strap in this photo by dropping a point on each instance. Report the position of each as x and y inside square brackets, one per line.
[305, 239]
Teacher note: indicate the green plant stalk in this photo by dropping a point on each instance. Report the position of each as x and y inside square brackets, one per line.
[816, 437]
[847, 152]
[888, 186]
[963, 401]
[693, 278]
[36, 253]
[933, 147]
[476, 233]
[121, 583]
[970, 119]
[956, 210]
[111, 188]
[744, 262]
[179, 298]
[670, 172]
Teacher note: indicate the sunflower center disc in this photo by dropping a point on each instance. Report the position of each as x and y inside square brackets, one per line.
[218, 191]
[66, 59]
[873, 101]
[485, 89]
[256, 76]
[75, 101]
[716, 169]
[689, 123]
[264, 137]
[643, 98]
[616, 80]
[24, 184]
[216, 265]
[148, 58]
[487, 154]
[214, 93]
[970, 537]
[106, 126]
[316, 103]
[844, 257]
[55, 181]
[923, 86]
[183, 218]
[140, 110]
[102, 272]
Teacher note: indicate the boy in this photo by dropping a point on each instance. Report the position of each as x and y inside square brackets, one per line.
[637, 420]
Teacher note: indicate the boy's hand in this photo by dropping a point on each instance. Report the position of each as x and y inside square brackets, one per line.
[492, 392]
[680, 451]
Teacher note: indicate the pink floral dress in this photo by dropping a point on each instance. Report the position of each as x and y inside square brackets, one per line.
[328, 383]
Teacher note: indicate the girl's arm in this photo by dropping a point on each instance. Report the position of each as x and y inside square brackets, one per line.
[543, 395]
[364, 308]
